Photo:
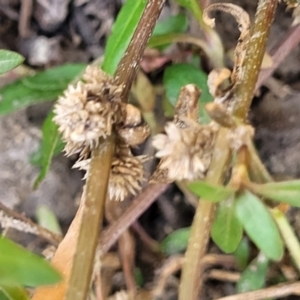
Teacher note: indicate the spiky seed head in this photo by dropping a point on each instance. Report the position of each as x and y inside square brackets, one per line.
[87, 110]
[185, 152]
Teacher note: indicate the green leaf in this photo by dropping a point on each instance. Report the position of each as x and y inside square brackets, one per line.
[51, 145]
[138, 276]
[27, 91]
[194, 7]
[209, 192]
[186, 3]
[172, 24]
[285, 191]
[176, 241]
[242, 253]
[47, 219]
[20, 267]
[167, 30]
[122, 32]
[227, 230]
[254, 277]
[54, 79]
[9, 60]
[180, 75]
[259, 225]
[13, 292]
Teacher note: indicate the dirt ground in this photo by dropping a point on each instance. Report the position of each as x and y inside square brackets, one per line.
[53, 32]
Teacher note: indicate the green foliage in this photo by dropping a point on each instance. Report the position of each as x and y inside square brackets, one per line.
[189, 4]
[193, 7]
[172, 24]
[41, 87]
[9, 60]
[285, 191]
[138, 276]
[242, 253]
[9, 292]
[122, 32]
[19, 267]
[179, 75]
[47, 219]
[227, 230]
[165, 31]
[209, 192]
[254, 277]
[176, 241]
[51, 145]
[259, 225]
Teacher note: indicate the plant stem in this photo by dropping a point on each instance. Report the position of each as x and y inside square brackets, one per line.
[244, 89]
[12, 219]
[191, 278]
[291, 241]
[139, 205]
[95, 196]
[256, 168]
[129, 64]
[97, 181]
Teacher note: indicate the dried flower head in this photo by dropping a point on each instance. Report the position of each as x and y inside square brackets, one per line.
[185, 152]
[185, 149]
[88, 110]
[126, 175]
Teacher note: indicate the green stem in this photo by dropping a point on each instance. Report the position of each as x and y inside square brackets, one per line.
[256, 168]
[291, 241]
[210, 44]
[255, 52]
[197, 12]
[191, 278]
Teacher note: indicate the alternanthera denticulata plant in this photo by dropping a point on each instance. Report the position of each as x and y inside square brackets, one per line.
[198, 146]
[100, 127]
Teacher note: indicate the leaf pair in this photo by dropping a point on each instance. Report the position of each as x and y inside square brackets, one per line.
[241, 210]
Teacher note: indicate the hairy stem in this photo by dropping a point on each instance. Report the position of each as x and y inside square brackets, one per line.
[129, 64]
[191, 278]
[255, 52]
